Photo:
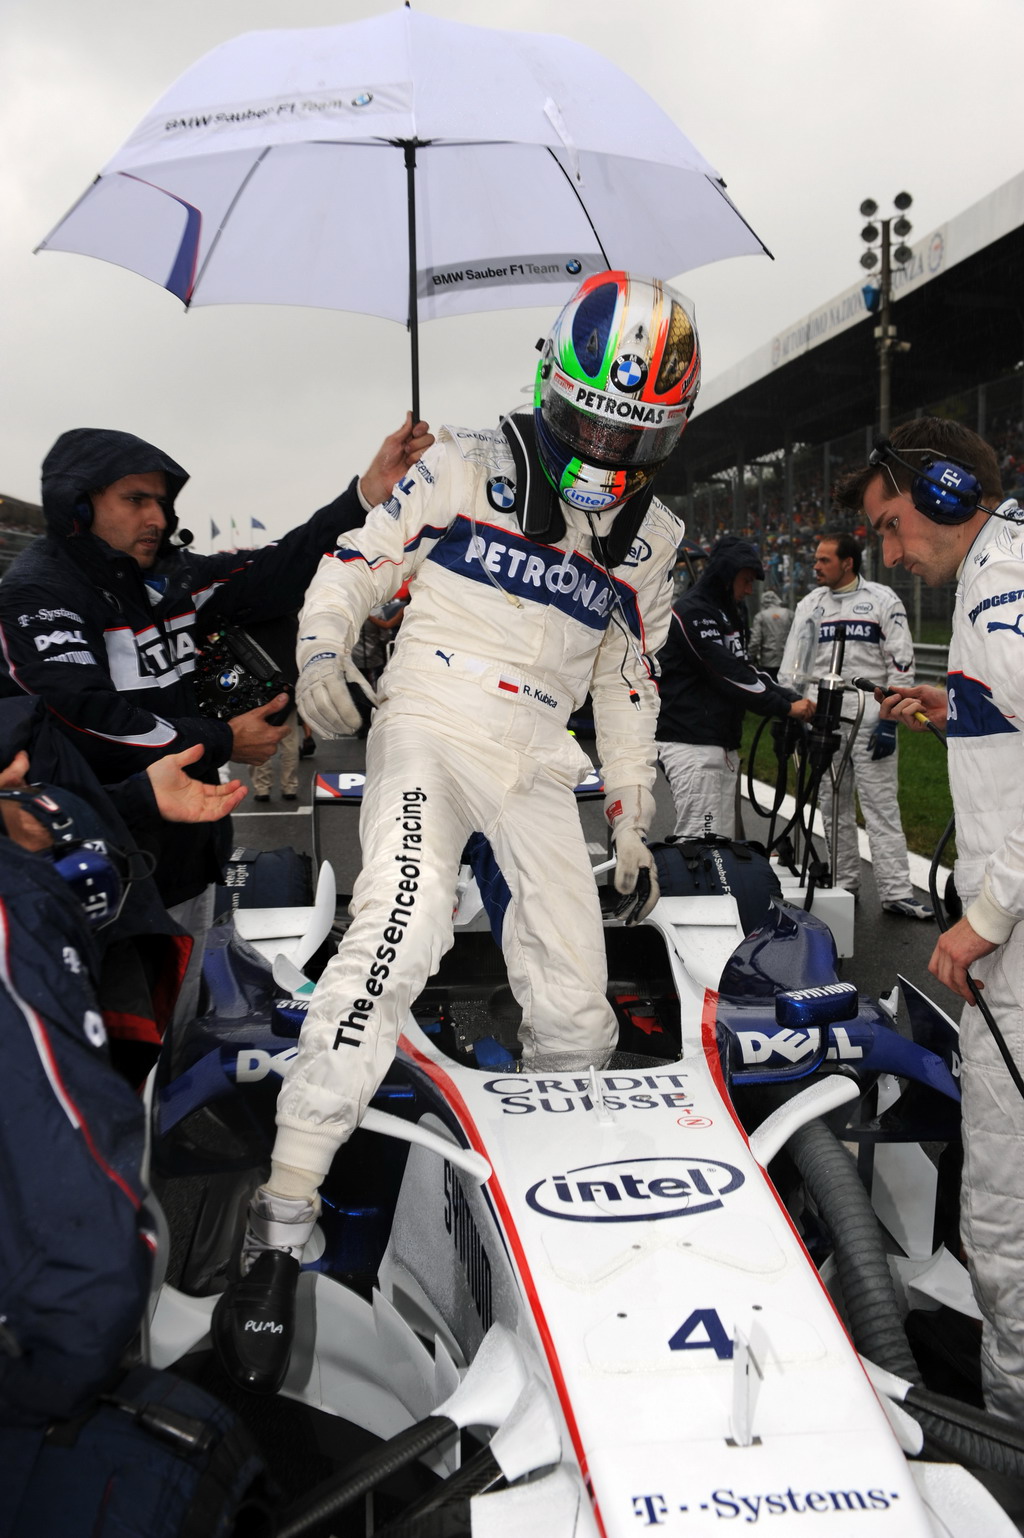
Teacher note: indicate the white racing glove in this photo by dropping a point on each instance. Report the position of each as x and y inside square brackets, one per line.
[322, 696]
[636, 880]
[324, 658]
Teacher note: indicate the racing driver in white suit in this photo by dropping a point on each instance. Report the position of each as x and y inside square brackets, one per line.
[542, 571]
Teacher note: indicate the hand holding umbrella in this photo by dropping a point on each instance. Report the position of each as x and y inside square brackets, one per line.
[397, 454]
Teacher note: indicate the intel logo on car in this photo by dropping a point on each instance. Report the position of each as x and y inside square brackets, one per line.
[592, 501]
[635, 1190]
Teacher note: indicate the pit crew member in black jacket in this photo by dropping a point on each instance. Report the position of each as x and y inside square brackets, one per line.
[100, 618]
[84, 1433]
[143, 954]
[707, 682]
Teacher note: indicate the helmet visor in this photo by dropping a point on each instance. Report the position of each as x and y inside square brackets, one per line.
[608, 429]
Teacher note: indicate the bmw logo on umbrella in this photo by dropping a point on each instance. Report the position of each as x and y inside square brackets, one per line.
[573, 266]
[501, 493]
[629, 372]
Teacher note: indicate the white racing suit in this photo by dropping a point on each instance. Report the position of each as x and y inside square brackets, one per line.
[878, 646]
[702, 779]
[985, 688]
[501, 641]
[769, 631]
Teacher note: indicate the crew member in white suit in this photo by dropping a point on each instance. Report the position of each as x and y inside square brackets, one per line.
[928, 495]
[878, 645]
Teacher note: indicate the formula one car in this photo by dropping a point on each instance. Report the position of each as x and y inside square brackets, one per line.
[612, 1298]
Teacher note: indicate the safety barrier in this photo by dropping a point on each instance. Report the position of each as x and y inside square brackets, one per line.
[930, 663]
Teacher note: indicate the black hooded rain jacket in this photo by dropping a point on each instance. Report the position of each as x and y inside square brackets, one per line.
[707, 681]
[113, 659]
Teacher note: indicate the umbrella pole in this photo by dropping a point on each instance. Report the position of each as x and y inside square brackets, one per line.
[409, 146]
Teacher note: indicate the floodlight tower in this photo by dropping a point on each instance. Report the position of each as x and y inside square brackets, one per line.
[880, 234]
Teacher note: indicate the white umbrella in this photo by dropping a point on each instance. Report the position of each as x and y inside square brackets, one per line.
[406, 167]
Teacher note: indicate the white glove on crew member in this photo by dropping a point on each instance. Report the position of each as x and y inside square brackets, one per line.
[629, 812]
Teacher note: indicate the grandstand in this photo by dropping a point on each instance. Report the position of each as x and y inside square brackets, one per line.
[771, 435]
[20, 524]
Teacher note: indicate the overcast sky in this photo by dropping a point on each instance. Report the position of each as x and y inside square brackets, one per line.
[805, 107]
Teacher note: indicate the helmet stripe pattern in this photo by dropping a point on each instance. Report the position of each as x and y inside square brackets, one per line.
[616, 383]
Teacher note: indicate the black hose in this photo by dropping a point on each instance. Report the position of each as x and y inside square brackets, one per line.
[333, 1495]
[773, 840]
[799, 798]
[479, 1474]
[452, 1521]
[970, 1436]
[943, 923]
[973, 1432]
[751, 760]
[810, 861]
[830, 1177]
[933, 875]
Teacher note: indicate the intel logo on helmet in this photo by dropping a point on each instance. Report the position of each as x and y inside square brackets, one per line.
[591, 501]
[635, 1190]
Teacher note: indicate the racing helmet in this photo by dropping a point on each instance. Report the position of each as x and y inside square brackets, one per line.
[98, 874]
[617, 380]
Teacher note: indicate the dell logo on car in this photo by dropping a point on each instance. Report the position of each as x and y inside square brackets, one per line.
[635, 1190]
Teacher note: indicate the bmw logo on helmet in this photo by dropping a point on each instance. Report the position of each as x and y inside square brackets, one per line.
[574, 266]
[501, 492]
[629, 372]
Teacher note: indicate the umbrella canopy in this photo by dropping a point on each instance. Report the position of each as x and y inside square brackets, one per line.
[406, 167]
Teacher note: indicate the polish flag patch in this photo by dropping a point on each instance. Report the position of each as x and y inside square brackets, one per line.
[508, 684]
